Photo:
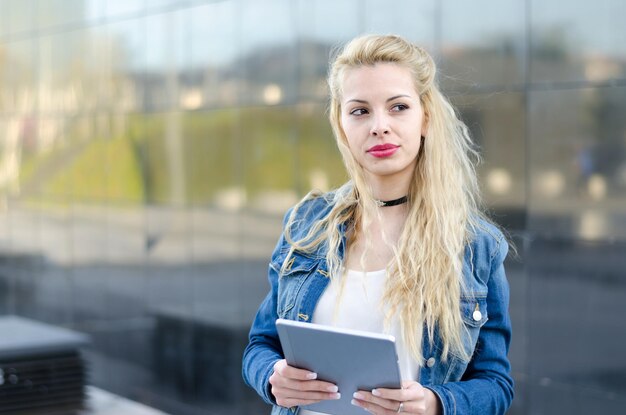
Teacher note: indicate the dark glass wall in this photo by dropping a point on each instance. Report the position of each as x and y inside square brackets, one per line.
[148, 150]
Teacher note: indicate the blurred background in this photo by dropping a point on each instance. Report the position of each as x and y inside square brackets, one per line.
[148, 150]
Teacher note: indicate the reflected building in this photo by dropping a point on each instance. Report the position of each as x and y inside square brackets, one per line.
[148, 150]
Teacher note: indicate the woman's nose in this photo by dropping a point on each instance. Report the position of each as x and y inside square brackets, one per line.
[380, 126]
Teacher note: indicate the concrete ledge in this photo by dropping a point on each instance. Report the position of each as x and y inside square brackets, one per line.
[101, 402]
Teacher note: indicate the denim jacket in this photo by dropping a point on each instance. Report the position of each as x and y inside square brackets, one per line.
[482, 385]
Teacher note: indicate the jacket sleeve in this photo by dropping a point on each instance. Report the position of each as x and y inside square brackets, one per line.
[263, 349]
[486, 386]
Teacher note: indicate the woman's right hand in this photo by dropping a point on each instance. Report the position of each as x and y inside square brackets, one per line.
[296, 387]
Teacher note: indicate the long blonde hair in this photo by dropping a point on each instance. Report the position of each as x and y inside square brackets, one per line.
[424, 283]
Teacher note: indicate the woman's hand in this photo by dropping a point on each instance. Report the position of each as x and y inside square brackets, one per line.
[413, 398]
[295, 387]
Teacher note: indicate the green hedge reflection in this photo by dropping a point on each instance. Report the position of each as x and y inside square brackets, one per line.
[254, 150]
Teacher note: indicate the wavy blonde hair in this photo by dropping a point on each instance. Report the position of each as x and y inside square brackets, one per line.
[424, 283]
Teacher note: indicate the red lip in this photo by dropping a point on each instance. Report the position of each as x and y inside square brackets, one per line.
[383, 150]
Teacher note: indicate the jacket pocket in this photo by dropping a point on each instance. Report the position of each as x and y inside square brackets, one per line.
[290, 282]
[474, 314]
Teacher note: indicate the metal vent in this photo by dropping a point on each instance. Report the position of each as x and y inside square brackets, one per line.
[46, 383]
[41, 368]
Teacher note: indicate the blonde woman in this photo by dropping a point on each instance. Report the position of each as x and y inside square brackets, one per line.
[402, 248]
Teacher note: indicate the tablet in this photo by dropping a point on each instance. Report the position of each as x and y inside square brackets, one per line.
[351, 359]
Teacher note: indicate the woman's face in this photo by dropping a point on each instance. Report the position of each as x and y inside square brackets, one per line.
[382, 118]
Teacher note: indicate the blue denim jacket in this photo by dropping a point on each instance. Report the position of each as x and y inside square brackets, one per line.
[481, 386]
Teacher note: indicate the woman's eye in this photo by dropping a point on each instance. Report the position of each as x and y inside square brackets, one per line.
[399, 107]
[358, 111]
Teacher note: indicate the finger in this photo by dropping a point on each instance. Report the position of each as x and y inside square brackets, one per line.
[414, 392]
[304, 395]
[288, 397]
[302, 385]
[375, 409]
[289, 402]
[293, 372]
[369, 399]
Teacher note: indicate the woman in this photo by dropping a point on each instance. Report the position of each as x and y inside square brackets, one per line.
[402, 248]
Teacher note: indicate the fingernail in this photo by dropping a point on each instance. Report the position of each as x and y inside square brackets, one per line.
[311, 376]
[332, 388]
[355, 403]
[375, 392]
[357, 395]
[336, 396]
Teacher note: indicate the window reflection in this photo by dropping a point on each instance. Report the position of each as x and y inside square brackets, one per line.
[485, 51]
[120, 52]
[578, 173]
[414, 20]
[19, 17]
[268, 53]
[51, 13]
[119, 8]
[164, 54]
[583, 42]
[211, 147]
[268, 138]
[323, 25]
[496, 123]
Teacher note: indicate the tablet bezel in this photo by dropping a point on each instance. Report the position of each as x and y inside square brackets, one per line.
[338, 355]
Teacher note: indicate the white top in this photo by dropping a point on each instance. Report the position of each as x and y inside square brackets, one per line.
[361, 308]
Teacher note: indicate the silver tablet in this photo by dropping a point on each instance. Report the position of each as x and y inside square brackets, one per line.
[351, 359]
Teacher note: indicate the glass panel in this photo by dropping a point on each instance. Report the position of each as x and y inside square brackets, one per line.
[117, 8]
[165, 48]
[215, 188]
[146, 163]
[167, 242]
[19, 16]
[517, 275]
[18, 74]
[319, 164]
[268, 139]
[94, 10]
[323, 25]
[157, 141]
[584, 41]
[211, 152]
[412, 19]
[52, 13]
[577, 153]
[63, 74]
[576, 305]
[165, 4]
[4, 22]
[485, 51]
[57, 247]
[211, 67]
[119, 60]
[497, 126]
[269, 54]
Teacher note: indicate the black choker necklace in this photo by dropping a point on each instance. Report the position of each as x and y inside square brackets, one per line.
[394, 202]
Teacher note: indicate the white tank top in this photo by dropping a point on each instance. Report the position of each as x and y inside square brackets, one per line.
[360, 308]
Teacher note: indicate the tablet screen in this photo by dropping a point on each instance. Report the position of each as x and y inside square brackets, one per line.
[351, 359]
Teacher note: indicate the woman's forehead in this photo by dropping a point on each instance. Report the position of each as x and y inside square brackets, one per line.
[373, 80]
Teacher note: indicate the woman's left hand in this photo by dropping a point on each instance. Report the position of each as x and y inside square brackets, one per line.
[413, 398]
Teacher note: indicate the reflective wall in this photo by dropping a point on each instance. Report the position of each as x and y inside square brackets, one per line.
[148, 150]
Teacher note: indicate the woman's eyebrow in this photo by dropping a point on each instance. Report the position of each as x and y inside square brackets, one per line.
[362, 101]
[398, 96]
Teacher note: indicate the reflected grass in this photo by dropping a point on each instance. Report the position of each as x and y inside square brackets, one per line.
[255, 150]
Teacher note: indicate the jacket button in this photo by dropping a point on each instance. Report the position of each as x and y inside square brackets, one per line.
[477, 316]
[430, 362]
